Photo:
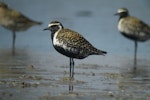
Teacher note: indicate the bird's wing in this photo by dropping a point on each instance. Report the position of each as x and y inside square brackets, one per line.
[20, 18]
[137, 27]
[76, 42]
[17, 16]
[74, 39]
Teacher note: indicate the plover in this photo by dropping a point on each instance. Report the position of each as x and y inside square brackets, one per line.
[132, 28]
[71, 44]
[14, 21]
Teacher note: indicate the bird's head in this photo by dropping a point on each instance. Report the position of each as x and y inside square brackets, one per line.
[54, 26]
[122, 12]
[3, 5]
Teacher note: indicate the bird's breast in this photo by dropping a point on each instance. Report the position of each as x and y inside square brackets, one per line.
[56, 40]
[121, 27]
[125, 28]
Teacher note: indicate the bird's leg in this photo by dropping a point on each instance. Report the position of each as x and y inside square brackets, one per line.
[13, 42]
[70, 67]
[135, 55]
[70, 87]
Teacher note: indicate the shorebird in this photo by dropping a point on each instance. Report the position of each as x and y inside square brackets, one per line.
[14, 21]
[71, 44]
[132, 28]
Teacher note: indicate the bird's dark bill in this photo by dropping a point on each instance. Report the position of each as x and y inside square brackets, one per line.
[45, 29]
[116, 14]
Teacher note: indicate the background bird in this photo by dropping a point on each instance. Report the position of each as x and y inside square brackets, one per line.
[132, 28]
[71, 44]
[14, 21]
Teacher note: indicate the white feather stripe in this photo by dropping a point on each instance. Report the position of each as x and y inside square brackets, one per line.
[56, 42]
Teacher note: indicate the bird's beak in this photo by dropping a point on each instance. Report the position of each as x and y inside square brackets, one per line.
[45, 29]
[116, 14]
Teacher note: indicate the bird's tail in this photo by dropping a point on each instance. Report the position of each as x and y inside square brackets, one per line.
[98, 52]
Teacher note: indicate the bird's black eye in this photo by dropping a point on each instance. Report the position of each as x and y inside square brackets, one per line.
[54, 28]
[124, 14]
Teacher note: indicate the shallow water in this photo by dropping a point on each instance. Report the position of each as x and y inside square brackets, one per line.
[38, 72]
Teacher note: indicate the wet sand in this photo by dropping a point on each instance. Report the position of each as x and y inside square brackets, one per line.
[27, 77]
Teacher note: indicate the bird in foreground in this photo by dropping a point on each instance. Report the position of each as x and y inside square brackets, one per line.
[14, 21]
[132, 28]
[71, 44]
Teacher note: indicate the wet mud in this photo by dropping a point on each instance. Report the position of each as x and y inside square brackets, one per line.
[22, 78]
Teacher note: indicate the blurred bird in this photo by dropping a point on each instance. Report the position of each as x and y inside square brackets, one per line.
[132, 28]
[14, 21]
[71, 44]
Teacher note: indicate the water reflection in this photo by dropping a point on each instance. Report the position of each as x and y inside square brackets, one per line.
[13, 66]
[133, 84]
[70, 87]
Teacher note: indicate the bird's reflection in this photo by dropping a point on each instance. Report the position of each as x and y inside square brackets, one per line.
[18, 64]
[132, 79]
[70, 87]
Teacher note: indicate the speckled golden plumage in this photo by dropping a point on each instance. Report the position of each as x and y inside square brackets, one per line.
[71, 44]
[75, 40]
